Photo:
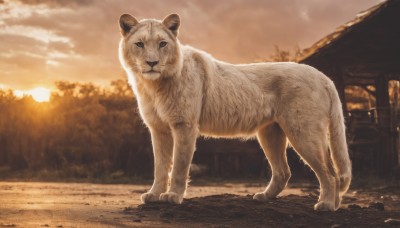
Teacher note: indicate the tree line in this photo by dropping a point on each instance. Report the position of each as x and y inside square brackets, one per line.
[83, 131]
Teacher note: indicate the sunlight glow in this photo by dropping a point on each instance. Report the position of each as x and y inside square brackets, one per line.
[40, 94]
[19, 93]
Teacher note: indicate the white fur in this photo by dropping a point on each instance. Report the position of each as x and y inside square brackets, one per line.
[196, 94]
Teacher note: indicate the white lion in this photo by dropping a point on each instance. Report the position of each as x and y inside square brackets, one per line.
[183, 92]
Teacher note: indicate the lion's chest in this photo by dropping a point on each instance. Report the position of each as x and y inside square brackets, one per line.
[168, 110]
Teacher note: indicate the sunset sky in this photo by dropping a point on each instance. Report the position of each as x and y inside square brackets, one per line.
[43, 41]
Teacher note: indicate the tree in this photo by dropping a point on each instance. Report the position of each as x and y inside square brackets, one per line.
[280, 55]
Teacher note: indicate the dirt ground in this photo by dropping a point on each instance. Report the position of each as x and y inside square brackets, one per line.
[37, 204]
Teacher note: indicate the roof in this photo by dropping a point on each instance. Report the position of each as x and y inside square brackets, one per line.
[342, 30]
[363, 49]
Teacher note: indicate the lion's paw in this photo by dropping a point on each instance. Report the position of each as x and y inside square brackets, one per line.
[149, 197]
[324, 206]
[262, 196]
[171, 197]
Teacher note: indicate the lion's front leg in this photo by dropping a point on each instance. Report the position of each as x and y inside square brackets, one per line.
[162, 150]
[184, 145]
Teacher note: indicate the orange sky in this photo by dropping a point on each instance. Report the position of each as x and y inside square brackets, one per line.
[43, 41]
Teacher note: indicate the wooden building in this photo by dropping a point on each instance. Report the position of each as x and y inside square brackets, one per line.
[365, 54]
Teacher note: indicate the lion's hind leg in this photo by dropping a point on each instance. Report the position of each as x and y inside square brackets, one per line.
[273, 141]
[311, 143]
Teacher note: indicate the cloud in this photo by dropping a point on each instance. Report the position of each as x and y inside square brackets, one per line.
[58, 3]
[40, 34]
[42, 41]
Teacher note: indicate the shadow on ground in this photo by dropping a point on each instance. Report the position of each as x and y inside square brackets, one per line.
[243, 211]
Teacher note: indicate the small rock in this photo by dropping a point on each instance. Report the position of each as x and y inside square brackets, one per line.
[377, 205]
[127, 209]
[86, 203]
[386, 197]
[137, 220]
[392, 221]
[336, 225]
[46, 225]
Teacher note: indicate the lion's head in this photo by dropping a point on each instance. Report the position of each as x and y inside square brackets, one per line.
[150, 47]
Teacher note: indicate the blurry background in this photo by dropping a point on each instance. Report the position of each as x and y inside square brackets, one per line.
[67, 111]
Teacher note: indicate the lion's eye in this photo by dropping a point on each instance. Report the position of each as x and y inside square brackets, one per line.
[140, 44]
[163, 44]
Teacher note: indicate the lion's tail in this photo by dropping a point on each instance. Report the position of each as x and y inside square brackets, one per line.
[338, 145]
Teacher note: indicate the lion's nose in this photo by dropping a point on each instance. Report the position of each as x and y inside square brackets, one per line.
[152, 63]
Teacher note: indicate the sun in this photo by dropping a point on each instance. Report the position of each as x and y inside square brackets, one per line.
[40, 94]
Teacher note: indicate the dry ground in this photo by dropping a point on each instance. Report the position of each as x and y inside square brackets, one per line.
[39, 204]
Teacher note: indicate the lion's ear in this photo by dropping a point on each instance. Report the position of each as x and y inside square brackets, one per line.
[172, 22]
[126, 22]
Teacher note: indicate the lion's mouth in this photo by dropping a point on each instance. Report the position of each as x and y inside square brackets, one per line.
[151, 72]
